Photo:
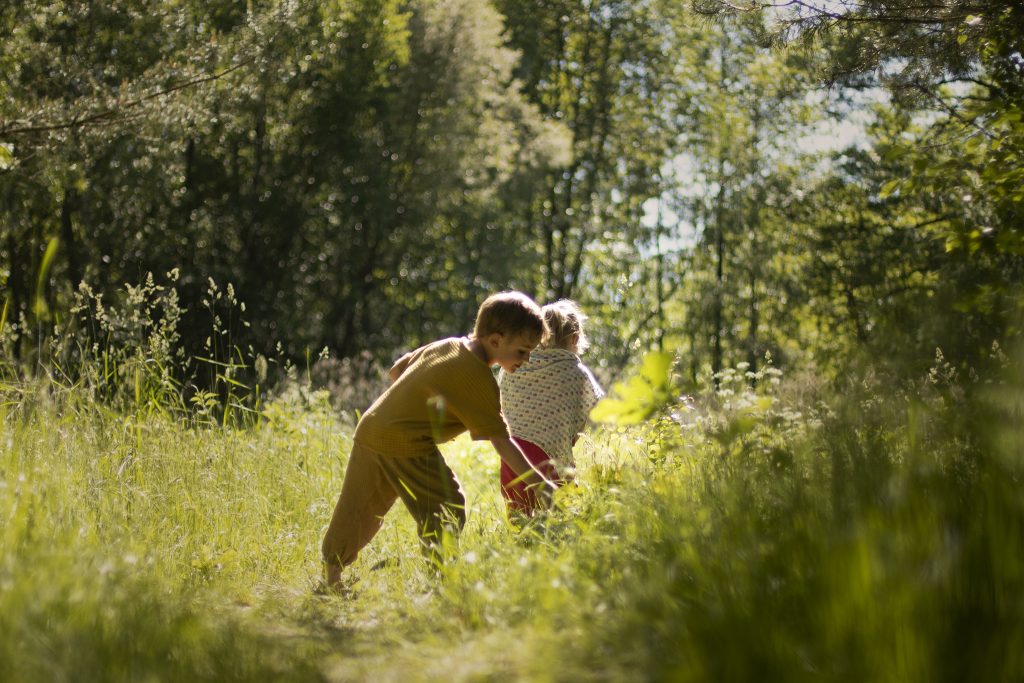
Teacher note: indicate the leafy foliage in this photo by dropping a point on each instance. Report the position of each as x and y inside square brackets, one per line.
[634, 400]
[338, 164]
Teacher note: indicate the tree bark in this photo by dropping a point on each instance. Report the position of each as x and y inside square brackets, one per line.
[16, 297]
[716, 350]
[67, 234]
[753, 325]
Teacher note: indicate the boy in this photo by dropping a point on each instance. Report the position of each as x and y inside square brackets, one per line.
[438, 391]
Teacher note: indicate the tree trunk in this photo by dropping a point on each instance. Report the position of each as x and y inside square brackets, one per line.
[754, 267]
[600, 122]
[549, 243]
[16, 297]
[67, 234]
[753, 325]
[716, 353]
[718, 322]
[659, 334]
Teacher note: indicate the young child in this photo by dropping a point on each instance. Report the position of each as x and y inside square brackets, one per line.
[546, 404]
[438, 391]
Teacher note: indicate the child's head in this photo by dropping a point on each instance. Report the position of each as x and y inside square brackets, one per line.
[564, 321]
[510, 314]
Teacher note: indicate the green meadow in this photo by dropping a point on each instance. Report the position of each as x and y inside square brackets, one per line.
[795, 228]
[743, 535]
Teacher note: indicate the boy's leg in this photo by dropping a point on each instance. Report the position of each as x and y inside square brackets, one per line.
[366, 496]
[431, 493]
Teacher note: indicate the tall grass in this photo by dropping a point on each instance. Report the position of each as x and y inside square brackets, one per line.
[871, 535]
[120, 530]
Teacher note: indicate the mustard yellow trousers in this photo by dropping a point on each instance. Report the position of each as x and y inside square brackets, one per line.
[373, 481]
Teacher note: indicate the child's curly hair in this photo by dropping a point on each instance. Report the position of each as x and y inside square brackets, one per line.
[564, 320]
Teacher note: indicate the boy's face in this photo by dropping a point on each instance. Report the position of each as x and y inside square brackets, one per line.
[509, 351]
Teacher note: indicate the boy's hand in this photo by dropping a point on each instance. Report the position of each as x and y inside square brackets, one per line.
[514, 458]
[545, 494]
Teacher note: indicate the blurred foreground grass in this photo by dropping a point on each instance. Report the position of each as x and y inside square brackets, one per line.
[861, 539]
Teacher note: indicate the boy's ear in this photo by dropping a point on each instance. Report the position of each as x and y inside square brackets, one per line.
[494, 339]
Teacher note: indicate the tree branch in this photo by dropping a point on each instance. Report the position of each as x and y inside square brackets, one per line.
[105, 117]
[849, 12]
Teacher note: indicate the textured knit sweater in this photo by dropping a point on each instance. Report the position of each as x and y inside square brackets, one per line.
[547, 401]
[442, 390]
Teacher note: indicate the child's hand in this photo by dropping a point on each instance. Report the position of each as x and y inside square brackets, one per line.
[545, 492]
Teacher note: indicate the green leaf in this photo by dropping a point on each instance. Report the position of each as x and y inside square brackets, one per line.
[889, 188]
[614, 411]
[40, 307]
[655, 368]
[637, 398]
[7, 159]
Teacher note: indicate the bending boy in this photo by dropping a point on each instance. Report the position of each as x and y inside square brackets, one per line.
[438, 391]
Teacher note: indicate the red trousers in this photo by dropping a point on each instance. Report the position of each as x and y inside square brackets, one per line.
[517, 497]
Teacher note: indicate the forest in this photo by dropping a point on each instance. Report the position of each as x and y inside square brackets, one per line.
[796, 228]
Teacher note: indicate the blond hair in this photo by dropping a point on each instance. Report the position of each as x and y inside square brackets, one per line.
[564, 320]
[509, 314]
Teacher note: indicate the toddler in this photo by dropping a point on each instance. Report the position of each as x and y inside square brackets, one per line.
[546, 403]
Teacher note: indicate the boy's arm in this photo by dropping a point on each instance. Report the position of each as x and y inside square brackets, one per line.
[510, 453]
[395, 372]
[399, 367]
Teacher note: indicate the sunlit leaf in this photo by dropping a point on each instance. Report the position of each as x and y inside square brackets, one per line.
[634, 400]
[655, 368]
[7, 159]
[889, 188]
[40, 307]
